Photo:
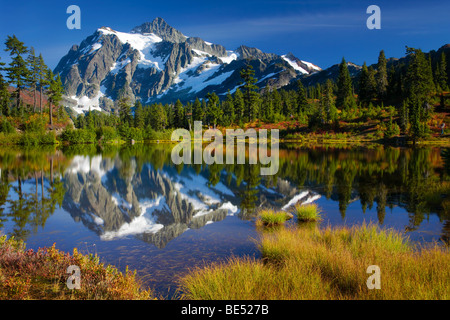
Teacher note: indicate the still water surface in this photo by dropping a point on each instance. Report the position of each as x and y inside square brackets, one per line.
[134, 208]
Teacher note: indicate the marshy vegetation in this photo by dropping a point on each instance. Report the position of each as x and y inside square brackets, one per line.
[305, 262]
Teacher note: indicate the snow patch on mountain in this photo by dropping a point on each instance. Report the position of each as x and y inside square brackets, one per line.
[196, 80]
[145, 223]
[144, 43]
[294, 65]
[230, 58]
[85, 103]
[311, 66]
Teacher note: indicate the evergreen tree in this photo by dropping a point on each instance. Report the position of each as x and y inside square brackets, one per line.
[33, 76]
[419, 80]
[277, 103]
[344, 87]
[214, 111]
[125, 112]
[239, 105]
[382, 76]
[327, 102]
[249, 88]
[43, 81]
[55, 93]
[441, 73]
[4, 94]
[302, 101]
[17, 72]
[197, 110]
[188, 116]
[419, 86]
[363, 95]
[228, 110]
[139, 120]
[267, 105]
[158, 117]
[404, 119]
[288, 106]
[89, 120]
[371, 85]
[178, 115]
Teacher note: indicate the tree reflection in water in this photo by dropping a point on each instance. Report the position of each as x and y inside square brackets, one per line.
[109, 187]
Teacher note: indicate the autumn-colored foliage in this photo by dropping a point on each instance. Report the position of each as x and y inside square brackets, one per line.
[42, 274]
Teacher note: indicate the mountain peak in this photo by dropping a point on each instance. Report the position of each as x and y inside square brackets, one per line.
[160, 28]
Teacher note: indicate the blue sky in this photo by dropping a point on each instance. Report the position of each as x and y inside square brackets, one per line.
[319, 31]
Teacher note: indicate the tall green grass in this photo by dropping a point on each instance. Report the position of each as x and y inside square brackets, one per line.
[271, 218]
[331, 263]
[308, 212]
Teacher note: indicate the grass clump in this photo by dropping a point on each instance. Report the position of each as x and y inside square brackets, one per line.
[308, 212]
[327, 264]
[28, 275]
[272, 218]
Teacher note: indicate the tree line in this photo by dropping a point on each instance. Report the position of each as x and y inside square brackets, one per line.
[406, 89]
[27, 72]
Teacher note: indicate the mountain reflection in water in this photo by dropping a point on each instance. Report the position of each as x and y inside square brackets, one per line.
[135, 192]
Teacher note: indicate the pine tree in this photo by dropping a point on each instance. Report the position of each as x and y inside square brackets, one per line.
[302, 101]
[288, 107]
[214, 111]
[17, 72]
[43, 82]
[139, 120]
[238, 101]
[197, 112]
[55, 92]
[382, 76]
[33, 76]
[419, 79]
[249, 88]
[344, 87]
[188, 116]
[228, 110]
[4, 94]
[371, 85]
[178, 115]
[363, 94]
[277, 102]
[442, 78]
[158, 117]
[267, 105]
[327, 103]
[125, 112]
[419, 86]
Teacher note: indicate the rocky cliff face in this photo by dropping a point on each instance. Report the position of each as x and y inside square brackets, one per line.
[155, 62]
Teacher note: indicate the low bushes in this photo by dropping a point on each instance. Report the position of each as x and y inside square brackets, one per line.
[74, 136]
[42, 274]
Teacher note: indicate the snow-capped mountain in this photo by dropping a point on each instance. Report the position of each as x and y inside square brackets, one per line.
[155, 62]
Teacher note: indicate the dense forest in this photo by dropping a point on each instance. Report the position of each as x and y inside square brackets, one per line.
[397, 101]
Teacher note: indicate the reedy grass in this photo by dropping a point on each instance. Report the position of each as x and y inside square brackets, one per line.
[330, 263]
[308, 212]
[271, 218]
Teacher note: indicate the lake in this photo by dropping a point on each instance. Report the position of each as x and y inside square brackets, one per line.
[133, 207]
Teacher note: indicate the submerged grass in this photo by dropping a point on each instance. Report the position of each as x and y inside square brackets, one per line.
[29, 275]
[310, 263]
